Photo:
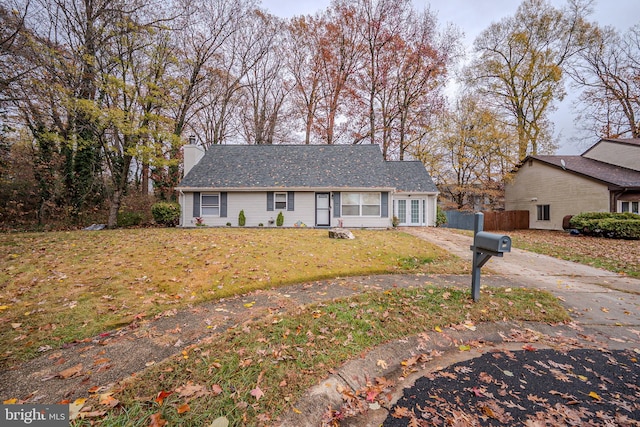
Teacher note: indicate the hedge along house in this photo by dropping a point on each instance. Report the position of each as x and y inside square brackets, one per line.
[312, 185]
[605, 178]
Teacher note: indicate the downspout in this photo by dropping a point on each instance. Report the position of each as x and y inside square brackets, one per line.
[613, 200]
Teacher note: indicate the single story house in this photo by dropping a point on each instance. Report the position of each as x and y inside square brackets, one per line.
[605, 178]
[312, 185]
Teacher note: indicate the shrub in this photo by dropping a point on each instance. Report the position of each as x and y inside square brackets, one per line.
[242, 220]
[165, 213]
[621, 228]
[280, 219]
[441, 217]
[129, 219]
[616, 225]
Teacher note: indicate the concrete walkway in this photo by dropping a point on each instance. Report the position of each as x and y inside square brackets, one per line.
[605, 308]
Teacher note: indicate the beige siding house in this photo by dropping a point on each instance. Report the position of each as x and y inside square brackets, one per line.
[605, 178]
[311, 185]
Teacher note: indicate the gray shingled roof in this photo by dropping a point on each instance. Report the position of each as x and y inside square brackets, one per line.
[302, 166]
[605, 172]
[410, 176]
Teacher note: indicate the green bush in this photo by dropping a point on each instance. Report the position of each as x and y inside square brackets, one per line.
[280, 219]
[624, 225]
[242, 220]
[165, 213]
[129, 219]
[621, 228]
[441, 217]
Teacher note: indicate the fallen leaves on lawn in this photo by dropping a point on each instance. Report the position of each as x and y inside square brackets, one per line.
[192, 391]
[623, 255]
[257, 393]
[220, 422]
[161, 396]
[156, 420]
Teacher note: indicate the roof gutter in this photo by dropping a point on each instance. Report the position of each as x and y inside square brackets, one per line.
[308, 189]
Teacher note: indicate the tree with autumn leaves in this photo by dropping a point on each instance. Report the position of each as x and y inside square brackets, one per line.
[97, 97]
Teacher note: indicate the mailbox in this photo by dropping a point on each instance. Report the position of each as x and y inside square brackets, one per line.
[485, 245]
[497, 243]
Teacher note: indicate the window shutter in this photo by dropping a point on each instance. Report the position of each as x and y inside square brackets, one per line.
[223, 204]
[196, 204]
[384, 205]
[270, 200]
[336, 205]
[290, 200]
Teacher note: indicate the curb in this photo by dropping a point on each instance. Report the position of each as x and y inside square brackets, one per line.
[439, 349]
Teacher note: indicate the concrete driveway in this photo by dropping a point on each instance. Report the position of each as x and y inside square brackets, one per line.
[594, 296]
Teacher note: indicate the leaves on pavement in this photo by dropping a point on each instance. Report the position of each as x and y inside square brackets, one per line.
[529, 388]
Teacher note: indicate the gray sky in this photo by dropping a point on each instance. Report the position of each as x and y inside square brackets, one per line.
[473, 16]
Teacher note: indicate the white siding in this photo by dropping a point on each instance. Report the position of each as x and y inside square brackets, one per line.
[430, 208]
[255, 210]
[254, 205]
[362, 222]
[565, 193]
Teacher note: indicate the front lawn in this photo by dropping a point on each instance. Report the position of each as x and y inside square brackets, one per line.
[253, 373]
[65, 286]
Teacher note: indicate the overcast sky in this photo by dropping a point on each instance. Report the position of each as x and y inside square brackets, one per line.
[473, 16]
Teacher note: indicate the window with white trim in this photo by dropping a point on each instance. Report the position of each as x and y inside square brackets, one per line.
[210, 205]
[544, 213]
[361, 204]
[281, 200]
[633, 207]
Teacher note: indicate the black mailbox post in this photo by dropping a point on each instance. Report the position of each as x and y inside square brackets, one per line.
[485, 245]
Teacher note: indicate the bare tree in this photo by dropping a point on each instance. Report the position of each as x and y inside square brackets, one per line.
[266, 85]
[609, 75]
[340, 47]
[304, 65]
[13, 65]
[382, 27]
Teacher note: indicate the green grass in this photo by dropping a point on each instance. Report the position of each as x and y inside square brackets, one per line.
[65, 286]
[285, 353]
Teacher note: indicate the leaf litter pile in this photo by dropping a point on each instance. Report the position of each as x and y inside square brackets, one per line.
[531, 388]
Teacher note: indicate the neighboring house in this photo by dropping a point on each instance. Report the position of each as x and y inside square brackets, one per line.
[312, 185]
[605, 178]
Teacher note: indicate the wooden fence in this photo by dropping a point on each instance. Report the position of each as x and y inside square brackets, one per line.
[503, 220]
[506, 220]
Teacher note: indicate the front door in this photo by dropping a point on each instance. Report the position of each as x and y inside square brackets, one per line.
[323, 210]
